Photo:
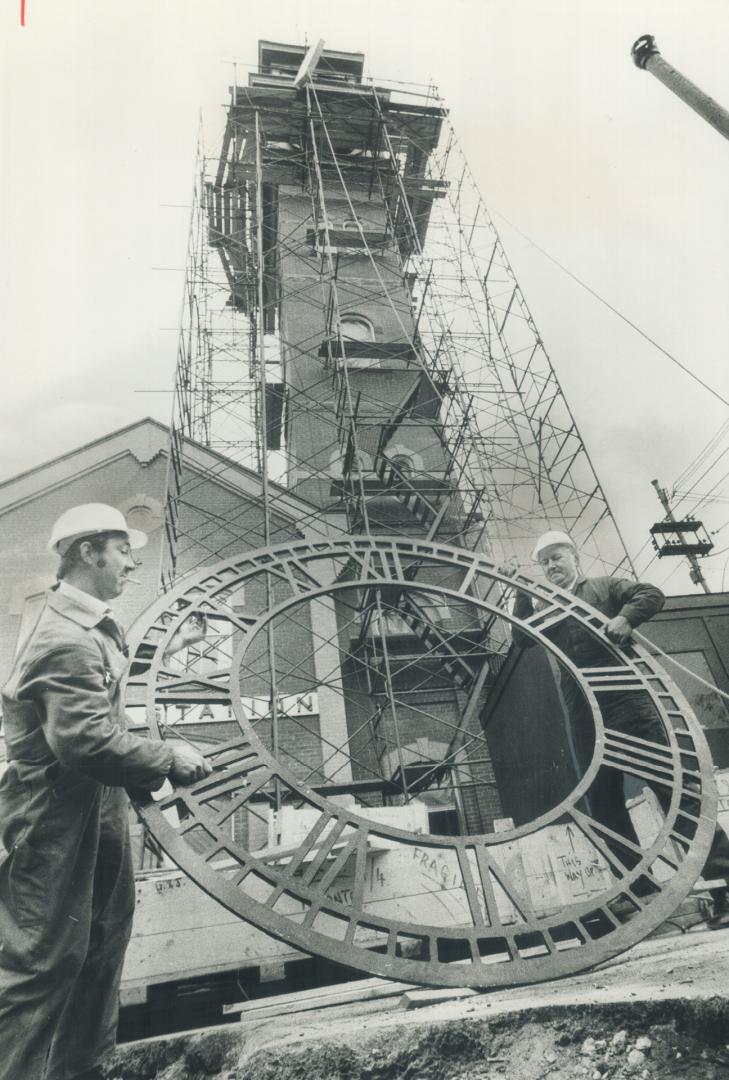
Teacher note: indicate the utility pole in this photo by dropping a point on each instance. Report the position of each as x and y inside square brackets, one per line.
[683, 544]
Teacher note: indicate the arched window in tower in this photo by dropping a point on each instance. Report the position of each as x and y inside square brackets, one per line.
[356, 332]
[404, 464]
[403, 471]
[357, 328]
[410, 465]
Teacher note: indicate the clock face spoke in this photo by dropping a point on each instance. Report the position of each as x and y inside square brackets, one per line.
[350, 696]
[619, 852]
[512, 889]
[356, 846]
[238, 801]
[477, 907]
[493, 918]
[325, 850]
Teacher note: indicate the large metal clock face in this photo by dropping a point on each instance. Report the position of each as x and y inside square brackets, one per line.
[342, 696]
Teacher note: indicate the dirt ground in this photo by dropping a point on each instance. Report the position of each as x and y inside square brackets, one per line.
[619, 1042]
[660, 1011]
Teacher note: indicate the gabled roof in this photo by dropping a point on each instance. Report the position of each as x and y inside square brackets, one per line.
[144, 440]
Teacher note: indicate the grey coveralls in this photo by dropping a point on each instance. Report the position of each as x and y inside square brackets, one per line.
[625, 711]
[67, 881]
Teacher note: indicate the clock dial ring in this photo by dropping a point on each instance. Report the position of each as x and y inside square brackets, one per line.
[502, 937]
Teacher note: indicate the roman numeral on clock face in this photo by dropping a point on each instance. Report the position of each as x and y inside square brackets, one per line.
[643, 758]
[547, 618]
[618, 677]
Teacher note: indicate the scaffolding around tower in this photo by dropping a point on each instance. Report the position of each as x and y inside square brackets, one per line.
[372, 176]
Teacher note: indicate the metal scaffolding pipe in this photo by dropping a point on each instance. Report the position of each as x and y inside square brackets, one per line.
[646, 55]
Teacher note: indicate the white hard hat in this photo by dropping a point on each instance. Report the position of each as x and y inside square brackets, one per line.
[89, 520]
[547, 539]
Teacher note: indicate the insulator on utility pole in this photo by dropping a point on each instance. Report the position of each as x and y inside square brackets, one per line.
[646, 55]
[683, 538]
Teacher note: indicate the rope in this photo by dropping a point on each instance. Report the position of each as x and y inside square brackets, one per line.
[655, 650]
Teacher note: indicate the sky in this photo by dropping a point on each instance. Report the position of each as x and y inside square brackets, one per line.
[578, 154]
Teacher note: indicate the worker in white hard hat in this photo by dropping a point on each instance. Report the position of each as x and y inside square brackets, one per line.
[67, 890]
[626, 604]
[91, 519]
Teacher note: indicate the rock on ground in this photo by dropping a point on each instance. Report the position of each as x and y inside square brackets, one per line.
[662, 1040]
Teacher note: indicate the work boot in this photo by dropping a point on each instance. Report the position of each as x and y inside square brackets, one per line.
[719, 917]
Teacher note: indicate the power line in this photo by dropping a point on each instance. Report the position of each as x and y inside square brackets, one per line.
[615, 311]
[702, 477]
[713, 442]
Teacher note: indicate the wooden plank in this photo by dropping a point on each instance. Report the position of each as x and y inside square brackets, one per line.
[361, 990]
[420, 999]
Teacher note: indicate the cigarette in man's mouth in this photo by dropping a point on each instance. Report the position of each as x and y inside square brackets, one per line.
[133, 580]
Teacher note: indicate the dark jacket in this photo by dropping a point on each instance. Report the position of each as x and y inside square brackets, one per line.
[634, 600]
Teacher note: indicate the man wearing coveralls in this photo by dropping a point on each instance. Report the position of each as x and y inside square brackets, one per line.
[626, 604]
[67, 882]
